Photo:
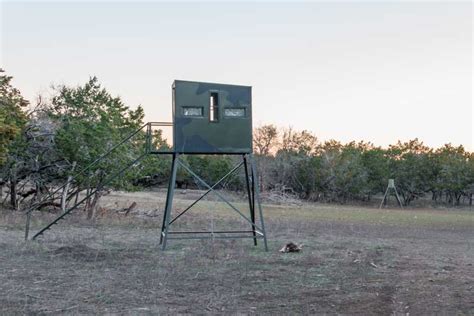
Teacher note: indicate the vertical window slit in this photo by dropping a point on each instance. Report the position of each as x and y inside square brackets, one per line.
[213, 107]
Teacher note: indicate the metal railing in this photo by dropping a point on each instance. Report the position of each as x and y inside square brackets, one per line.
[147, 150]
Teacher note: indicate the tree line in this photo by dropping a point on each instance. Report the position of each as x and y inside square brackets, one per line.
[47, 148]
[296, 162]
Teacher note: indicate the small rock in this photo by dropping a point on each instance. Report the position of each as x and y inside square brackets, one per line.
[291, 247]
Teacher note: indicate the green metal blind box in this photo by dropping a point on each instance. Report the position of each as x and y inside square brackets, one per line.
[212, 118]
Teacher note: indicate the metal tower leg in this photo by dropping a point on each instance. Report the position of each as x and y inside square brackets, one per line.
[251, 201]
[384, 199]
[257, 199]
[398, 198]
[169, 202]
[168, 191]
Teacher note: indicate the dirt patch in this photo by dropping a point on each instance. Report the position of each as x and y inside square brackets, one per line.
[79, 252]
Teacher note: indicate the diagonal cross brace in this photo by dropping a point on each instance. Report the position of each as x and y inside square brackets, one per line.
[218, 194]
[236, 167]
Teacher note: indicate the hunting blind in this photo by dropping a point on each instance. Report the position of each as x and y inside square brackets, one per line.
[211, 118]
[208, 119]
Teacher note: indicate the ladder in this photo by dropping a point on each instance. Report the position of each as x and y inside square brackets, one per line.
[148, 148]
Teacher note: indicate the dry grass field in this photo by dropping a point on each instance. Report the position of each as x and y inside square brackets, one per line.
[355, 260]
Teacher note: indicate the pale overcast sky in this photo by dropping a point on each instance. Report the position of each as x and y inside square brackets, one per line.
[373, 71]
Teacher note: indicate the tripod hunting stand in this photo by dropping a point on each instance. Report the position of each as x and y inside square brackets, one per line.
[390, 189]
